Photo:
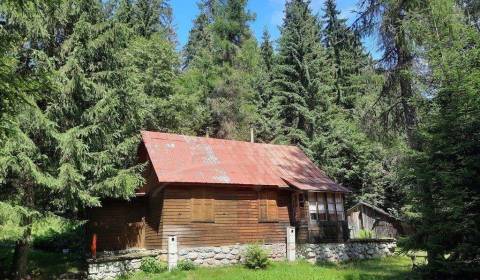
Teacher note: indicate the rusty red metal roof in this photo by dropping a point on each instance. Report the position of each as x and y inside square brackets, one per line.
[188, 159]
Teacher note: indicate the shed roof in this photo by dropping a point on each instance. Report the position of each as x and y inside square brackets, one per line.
[379, 210]
[188, 159]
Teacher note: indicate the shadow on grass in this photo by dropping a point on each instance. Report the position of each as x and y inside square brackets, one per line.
[44, 265]
[390, 268]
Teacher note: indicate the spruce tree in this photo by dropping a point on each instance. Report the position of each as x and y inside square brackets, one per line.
[387, 19]
[222, 74]
[266, 50]
[200, 36]
[301, 78]
[443, 177]
[266, 125]
[345, 54]
[80, 130]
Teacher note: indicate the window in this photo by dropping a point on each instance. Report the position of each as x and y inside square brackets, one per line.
[339, 206]
[203, 206]
[316, 206]
[331, 207]
[312, 206]
[301, 200]
[322, 210]
[267, 206]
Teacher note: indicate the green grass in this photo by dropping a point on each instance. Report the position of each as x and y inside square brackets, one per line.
[43, 265]
[388, 268]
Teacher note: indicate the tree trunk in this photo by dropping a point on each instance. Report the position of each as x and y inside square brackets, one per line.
[22, 246]
[20, 257]
[406, 91]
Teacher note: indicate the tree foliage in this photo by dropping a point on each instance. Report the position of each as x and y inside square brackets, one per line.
[80, 79]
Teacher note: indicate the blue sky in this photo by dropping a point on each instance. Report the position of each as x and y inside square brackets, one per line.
[269, 14]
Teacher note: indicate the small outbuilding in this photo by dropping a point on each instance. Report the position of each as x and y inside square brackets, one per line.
[366, 217]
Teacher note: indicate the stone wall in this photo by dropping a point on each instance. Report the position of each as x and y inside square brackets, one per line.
[351, 250]
[112, 264]
[225, 255]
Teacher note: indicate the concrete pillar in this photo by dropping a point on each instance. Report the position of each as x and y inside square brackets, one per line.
[172, 257]
[290, 244]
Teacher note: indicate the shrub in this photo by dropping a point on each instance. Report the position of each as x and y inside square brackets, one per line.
[365, 234]
[186, 265]
[152, 265]
[53, 233]
[256, 257]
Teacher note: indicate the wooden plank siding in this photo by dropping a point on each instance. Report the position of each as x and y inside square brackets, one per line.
[118, 224]
[235, 217]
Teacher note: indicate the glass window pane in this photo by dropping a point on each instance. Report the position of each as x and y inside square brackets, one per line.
[340, 216]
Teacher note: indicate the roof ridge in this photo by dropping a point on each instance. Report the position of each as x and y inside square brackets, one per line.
[215, 139]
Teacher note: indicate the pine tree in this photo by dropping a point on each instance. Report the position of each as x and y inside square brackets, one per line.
[443, 177]
[387, 19]
[345, 53]
[222, 74]
[266, 125]
[151, 16]
[266, 50]
[31, 174]
[231, 29]
[79, 133]
[200, 36]
[300, 76]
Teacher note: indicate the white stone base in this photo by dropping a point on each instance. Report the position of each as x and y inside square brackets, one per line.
[339, 252]
[226, 255]
[113, 265]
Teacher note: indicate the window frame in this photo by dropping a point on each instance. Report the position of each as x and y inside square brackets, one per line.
[319, 200]
[338, 198]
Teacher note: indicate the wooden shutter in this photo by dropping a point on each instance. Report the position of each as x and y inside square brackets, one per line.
[209, 209]
[267, 206]
[262, 207]
[272, 209]
[203, 208]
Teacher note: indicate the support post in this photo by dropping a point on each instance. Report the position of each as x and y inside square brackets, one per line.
[290, 244]
[172, 258]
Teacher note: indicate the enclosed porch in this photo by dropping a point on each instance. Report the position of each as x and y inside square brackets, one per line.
[319, 216]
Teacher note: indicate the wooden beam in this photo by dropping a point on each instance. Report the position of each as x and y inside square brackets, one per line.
[327, 212]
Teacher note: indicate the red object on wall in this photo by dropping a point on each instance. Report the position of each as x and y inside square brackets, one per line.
[93, 246]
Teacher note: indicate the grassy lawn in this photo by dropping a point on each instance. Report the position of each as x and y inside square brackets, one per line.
[43, 265]
[389, 268]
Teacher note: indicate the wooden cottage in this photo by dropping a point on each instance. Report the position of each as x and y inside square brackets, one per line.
[364, 216]
[211, 192]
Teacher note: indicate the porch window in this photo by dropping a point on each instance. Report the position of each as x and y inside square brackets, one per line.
[339, 207]
[316, 207]
[312, 206]
[331, 206]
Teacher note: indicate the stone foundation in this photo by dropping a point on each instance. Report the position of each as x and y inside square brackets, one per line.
[110, 265]
[226, 255]
[113, 264]
[351, 250]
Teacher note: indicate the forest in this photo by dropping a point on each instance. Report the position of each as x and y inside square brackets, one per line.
[80, 79]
